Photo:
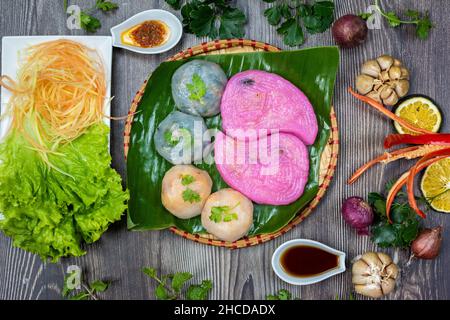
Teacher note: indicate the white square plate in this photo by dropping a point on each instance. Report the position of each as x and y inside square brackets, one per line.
[13, 46]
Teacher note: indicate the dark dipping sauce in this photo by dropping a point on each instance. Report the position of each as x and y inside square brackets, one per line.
[305, 261]
[150, 33]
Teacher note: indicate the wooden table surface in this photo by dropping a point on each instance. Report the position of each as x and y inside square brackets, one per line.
[246, 273]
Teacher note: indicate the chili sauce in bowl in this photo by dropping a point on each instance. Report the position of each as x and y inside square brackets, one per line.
[148, 32]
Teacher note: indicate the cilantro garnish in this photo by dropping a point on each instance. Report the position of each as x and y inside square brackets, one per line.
[85, 292]
[212, 18]
[292, 17]
[170, 139]
[87, 21]
[197, 89]
[282, 294]
[191, 196]
[422, 21]
[223, 213]
[170, 287]
[187, 179]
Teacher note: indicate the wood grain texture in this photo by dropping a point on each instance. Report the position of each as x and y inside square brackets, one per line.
[245, 273]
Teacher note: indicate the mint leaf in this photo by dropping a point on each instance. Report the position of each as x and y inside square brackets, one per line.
[187, 179]
[179, 279]
[199, 292]
[151, 272]
[197, 89]
[161, 293]
[191, 196]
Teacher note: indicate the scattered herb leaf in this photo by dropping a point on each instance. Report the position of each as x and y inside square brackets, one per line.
[223, 213]
[89, 23]
[170, 287]
[170, 139]
[84, 292]
[365, 15]
[106, 5]
[87, 20]
[422, 21]
[282, 294]
[197, 89]
[291, 17]
[212, 18]
[187, 179]
[191, 196]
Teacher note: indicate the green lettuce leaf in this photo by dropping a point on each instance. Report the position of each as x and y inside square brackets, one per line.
[50, 213]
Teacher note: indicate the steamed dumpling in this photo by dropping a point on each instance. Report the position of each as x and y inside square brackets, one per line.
[180, 138]
[184, 191]
[227, 214]
[197, 87]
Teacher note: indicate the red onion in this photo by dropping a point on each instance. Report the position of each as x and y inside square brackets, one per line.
[349, 31]
[428, 243]
[358, 214]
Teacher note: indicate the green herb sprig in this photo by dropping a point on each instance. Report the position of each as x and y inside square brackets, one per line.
[421, 20]
[282, 294]
[292, 17]
[172, 286]
[86, 292]
[223, 213]
[405, 223]
[191, 196]
[197, 88]
[211, 18]
[87, 20]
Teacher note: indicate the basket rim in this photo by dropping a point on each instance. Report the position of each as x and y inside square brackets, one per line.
[333, 144]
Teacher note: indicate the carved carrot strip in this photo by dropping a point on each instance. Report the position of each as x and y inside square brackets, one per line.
[434, 139]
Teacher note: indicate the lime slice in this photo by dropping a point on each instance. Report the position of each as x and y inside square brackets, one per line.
[436, 185]
[420, 111]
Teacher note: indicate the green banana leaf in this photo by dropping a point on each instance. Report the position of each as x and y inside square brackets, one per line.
[312, 70]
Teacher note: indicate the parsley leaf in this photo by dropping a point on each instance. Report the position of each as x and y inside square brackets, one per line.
[423, 28]
[282, 294]
[89, 23]
[273, 15]
[200, 291]
[197, 89]
[187, 179]
[292, 32]
[212, 18]
[106, 5]
[191, 196]
[393, 19]
[170, 139]
[223, 213]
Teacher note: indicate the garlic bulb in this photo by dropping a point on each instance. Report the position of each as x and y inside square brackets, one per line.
[384, 79]
[374, 274]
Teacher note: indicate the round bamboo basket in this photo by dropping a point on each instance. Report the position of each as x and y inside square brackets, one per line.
[328, 158]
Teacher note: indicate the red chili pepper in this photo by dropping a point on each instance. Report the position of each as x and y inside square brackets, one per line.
[398, 185]
[414, 171]
[432, 138]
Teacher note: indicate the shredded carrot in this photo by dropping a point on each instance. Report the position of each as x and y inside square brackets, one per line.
[60, 92]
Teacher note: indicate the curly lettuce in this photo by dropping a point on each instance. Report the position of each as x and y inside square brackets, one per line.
[51, 213]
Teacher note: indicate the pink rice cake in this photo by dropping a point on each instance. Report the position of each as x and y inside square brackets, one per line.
[257, 99]
[272, 170]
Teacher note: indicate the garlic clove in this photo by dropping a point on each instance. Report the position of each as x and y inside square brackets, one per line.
[385, 62]
[402, 87]
[360, 279]
[364, 83]
[397, 63]
[391, 100]
[372, 260]
[405, 73]
[384, 76]
[369, 290]
[391, 271]
[384, 258]
[395, 73]
[371, 68]
[360, 267]
[385, 92]
[387, 285]
[374, 95]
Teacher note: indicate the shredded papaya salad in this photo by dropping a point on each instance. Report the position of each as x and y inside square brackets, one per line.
[429, 147]
[57, 188]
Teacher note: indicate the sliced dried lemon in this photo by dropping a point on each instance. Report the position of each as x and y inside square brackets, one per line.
[436, 185]
[421, 111]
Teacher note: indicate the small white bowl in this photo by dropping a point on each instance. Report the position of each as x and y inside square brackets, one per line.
[174, 24]
[276, 263]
